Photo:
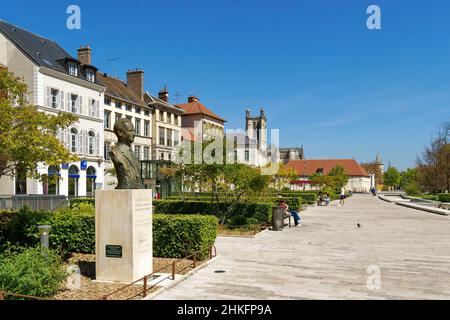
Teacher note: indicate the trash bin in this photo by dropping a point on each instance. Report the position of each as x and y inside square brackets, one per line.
[278, 218]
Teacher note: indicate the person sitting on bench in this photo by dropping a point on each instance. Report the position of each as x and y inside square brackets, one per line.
[296, 215]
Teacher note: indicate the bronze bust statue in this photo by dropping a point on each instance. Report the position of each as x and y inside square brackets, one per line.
[124, 159]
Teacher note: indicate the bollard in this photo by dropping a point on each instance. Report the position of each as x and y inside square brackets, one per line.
[44, 231]
[277, 218]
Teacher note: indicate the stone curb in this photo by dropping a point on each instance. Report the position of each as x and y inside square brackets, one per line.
[439, 211]
[180, 279]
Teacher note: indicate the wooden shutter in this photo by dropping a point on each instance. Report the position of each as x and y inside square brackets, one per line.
[68, 140]
[68, 101]
[97, 109]
[89, 107]
[49, 97]
[62, 100]
[97, 144]
[80, 104]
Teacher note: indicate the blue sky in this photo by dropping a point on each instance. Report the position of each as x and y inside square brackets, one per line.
[324, 79]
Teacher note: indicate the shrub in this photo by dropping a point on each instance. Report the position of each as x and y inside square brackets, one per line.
[73, 230]
[5, 216]
[444, 197]
[177, 236]
[21, 227]
[260, 211]
[31, 273]
[77, 201]
[411, 189]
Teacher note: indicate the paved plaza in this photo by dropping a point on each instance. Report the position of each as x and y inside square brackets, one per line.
[328, 257]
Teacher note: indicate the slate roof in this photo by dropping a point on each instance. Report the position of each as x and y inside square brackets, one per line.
[150, 99]
[308, 167]
[42, 51]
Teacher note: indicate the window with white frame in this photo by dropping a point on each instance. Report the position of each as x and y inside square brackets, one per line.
[74, 140]
[54, 97]
[146, 153]
[161, 136]
[169, 137]
[107, 119]
[93, 108]
[74, 102]
[106, 149]
[137, 126]
[90, 75]
[176, 138]
[137, 151]
[73, 69]
[147, 128]
[161, 156]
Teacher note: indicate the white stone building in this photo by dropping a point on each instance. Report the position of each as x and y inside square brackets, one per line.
[57, 82]
[359, 180]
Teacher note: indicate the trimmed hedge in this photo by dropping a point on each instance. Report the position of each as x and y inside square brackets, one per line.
[260, 211]
[31, 273]
[177, 236]
[444, 197]
[293, 202]
[73, 230]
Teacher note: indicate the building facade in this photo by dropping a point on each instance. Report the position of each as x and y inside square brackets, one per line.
[166, 125]
[58, 82]
[199, 123]
[359, 180]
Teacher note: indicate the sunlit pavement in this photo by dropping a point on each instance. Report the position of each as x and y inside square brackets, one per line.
[329, 257]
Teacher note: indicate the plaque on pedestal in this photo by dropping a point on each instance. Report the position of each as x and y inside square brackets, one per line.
[123, 234]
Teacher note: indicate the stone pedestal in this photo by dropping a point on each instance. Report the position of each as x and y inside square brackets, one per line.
[123, 234]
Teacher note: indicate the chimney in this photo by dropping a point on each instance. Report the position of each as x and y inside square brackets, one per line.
[192, 98]
[84, 54]
[135, 82]
[164, 94]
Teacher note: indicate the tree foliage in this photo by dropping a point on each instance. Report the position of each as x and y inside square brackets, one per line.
[334, 180]
[433, 165]
[392, 177]
[28, 136]
[374, 167]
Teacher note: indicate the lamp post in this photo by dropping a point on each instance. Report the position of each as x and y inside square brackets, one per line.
[44, 230]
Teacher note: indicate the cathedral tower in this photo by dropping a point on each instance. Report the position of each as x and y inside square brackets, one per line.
[256, 128]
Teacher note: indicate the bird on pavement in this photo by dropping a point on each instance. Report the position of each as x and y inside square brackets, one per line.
[358, 225]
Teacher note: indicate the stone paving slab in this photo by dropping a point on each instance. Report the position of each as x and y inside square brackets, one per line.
[328, 257]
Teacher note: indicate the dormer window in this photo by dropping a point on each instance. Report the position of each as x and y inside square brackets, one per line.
[90, 76]
[73, 69]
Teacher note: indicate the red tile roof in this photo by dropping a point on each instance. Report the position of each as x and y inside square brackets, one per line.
[307, 168]
[198, 108]
[116, 88]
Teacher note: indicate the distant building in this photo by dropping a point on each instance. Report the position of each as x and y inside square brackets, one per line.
[198, 122]
[359, 180]
[288, 154]
[166, 125]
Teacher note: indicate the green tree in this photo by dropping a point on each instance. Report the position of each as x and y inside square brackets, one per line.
[28, 136]
[392, 177]
[339, 177]
[283, 176]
